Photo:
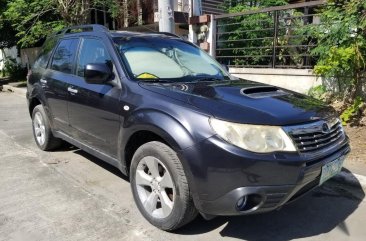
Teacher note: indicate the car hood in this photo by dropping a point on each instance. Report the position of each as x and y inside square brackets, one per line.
[244, 101]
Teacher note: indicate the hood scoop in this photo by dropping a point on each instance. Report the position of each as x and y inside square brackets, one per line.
[262, 92]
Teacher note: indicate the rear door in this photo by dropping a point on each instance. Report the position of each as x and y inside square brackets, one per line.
[94, 111]
[56, 80]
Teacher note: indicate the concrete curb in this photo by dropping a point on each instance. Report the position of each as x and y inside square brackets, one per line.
[16, 90]
[351, 179]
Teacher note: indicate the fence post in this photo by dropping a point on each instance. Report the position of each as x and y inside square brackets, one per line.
[275, 28]
[211, 39]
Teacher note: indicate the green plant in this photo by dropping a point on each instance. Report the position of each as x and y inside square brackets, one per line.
[341, 52]
[341, 46]
[249, 38]
[32, 20]
[7, 36]
[318, 92]
[352, 111]
[289, 48]
[14, 70]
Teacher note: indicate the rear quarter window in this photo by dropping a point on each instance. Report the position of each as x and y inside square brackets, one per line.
[45, 54]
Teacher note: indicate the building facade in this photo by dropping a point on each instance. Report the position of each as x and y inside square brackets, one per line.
[143, 15]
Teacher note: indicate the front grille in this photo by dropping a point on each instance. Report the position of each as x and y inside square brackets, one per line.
[316, 136]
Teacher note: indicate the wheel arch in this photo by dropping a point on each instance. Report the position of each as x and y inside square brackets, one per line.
[33, 102]
[136, 140]
[36, 97]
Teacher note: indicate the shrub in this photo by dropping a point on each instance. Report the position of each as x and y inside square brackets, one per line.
[353, 112]
[13, 70]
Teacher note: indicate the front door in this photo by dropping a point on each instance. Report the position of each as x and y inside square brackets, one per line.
[94, 112]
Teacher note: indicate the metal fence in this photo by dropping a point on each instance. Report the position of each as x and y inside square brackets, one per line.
[273, 37]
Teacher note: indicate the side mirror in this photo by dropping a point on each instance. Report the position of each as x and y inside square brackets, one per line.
[97, 73]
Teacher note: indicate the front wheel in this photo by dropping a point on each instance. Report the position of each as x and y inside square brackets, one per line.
[160, 187]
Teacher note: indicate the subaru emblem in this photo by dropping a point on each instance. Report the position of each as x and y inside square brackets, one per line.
[325, 128]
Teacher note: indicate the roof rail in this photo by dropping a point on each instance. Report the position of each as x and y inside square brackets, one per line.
[83, 28]
[168, 34]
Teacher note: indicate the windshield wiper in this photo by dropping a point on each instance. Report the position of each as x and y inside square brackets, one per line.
[155, 80]
[208, 79]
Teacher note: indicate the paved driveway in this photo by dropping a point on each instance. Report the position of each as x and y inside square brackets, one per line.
[70, 195]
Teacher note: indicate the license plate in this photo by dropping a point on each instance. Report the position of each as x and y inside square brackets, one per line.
[331, 169]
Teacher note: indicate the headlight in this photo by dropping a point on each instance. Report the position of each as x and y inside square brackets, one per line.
[255, 138]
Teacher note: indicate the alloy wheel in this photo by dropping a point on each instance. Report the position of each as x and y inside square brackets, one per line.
[155, 187]
[39, 128]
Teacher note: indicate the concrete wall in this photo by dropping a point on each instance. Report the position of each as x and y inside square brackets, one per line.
[29, 55]
[299, 80]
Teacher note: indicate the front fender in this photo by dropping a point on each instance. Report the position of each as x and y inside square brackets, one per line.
[179, 132]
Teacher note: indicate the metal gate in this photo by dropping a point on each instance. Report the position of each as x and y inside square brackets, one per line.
[273, 37]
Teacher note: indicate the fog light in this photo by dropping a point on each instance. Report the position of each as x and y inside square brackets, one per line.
[249, 202]
[240, 204]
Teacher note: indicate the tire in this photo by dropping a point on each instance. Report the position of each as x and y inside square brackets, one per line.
[42, 131]
[156, 174]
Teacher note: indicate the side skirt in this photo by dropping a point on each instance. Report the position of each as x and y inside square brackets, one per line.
[104, 157]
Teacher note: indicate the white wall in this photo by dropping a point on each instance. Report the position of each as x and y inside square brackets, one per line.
[184, 5]
[10, 53]
[299, 80]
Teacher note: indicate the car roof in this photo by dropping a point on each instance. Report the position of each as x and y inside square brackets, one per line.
[96, 29]
[142, 34]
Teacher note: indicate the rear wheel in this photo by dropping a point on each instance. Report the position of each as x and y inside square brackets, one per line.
[160, 187]
[42, 130]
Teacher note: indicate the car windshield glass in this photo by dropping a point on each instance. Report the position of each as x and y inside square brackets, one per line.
[156, 58]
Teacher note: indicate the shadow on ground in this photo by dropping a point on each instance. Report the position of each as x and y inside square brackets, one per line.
[320, 211]
[102, 164]
[95, 160]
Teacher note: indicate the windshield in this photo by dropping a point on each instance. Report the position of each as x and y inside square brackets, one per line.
[155, 58]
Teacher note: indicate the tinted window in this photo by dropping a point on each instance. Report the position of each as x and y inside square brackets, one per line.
[92, 51]
[64, 56]
[45, 53]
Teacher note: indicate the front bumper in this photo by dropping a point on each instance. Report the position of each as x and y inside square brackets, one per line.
[220, 174]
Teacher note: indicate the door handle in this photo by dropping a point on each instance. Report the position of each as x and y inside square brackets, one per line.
[43, 81]
[71, 90]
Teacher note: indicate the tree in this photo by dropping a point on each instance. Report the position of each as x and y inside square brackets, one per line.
[33, 20]
[78, 12]
[341, 49]
[7, 36]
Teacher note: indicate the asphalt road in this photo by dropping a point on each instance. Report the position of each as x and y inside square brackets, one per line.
[70, 195]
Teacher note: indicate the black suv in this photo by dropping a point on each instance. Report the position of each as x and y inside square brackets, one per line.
[191, 138]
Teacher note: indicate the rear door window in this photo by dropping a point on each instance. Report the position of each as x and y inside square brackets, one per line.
[63, 59]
